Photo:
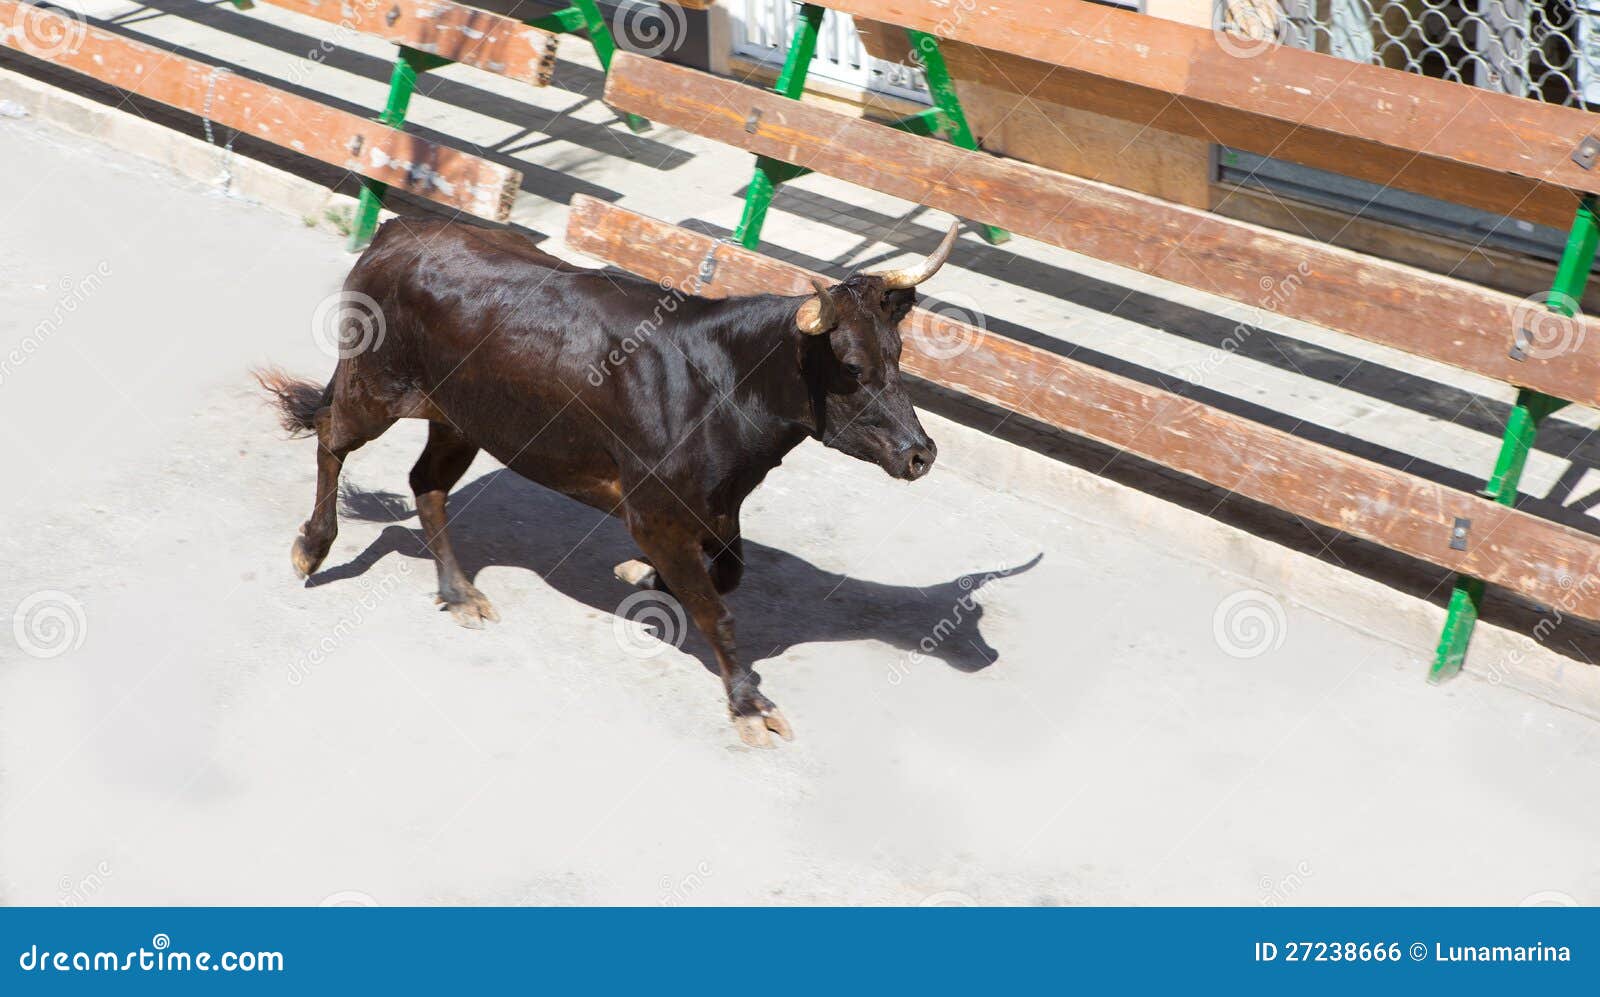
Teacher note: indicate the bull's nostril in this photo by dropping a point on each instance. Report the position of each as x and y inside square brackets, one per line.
[917, 463]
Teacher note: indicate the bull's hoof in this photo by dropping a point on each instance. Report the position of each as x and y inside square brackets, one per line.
[304, 559]
[639, 574]
[756, 731]
[470, 607]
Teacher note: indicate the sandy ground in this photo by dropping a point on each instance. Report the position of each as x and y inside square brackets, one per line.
[182, 722]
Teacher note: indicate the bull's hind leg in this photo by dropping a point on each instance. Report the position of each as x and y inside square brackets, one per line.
[341, 428]
[443, 462]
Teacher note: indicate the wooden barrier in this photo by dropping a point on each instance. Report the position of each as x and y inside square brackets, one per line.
[1168, 69]
[1411, 310]
[434, 33]
[367, 148]
[1397, 510]
[447, 30]
[1505, 154]
[946, 117]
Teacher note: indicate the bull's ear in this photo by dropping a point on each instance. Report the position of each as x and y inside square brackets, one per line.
[898, 304]
[818, 314]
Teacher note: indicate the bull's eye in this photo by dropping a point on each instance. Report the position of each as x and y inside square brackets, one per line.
[854, 370]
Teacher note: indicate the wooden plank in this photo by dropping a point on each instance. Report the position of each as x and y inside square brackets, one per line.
[404, 162]
[1421, 313]
[1058, 136]
[491, 42]
[1487, 149]
[1540, 559]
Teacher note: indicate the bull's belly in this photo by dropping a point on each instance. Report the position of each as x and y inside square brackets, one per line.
[553, 439]
[576, 466]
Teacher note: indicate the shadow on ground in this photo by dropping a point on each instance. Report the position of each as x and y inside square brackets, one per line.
[502, 519]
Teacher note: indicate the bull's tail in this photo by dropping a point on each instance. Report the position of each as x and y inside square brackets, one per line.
[298, 400]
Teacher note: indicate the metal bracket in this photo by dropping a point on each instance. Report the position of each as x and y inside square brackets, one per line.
[1520, 341]
[752, 121]
[1587, 152]
[708, 266]
[1458, 533]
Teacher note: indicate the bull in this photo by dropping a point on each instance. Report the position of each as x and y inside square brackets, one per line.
[581, 381]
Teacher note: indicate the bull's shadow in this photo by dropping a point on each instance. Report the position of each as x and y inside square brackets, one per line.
[503, 519]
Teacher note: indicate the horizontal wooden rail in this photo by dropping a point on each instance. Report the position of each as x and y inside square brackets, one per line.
[1540, 559]
[1446, 320]
[491, 42]
[402, 161]
[1449, 140]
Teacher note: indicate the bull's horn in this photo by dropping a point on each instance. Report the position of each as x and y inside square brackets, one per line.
[912, 276]
[818, 314]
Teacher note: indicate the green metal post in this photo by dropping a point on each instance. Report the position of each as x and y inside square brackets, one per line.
[605, 46]
[1530, 409]
[944, 118]
[402, 84]
[560, 22]
[791, 83]
[925, 49]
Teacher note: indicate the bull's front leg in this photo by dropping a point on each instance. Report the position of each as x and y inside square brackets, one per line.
[677, 556]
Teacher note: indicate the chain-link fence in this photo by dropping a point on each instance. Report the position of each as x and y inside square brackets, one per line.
[1547, 50]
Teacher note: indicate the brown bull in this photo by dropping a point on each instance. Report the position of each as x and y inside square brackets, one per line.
[662, 409]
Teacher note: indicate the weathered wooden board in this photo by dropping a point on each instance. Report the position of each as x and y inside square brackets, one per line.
[473, 37]
[1058, 136]
[1543, 560]
[1432, 136]
[1421, 313]
[404, 162]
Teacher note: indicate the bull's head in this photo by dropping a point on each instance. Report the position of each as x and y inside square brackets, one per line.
[858, 396]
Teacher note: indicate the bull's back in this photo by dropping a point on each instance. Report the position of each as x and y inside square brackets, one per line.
[503, 339]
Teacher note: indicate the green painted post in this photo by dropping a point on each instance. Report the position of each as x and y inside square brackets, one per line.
[561, 22]
[791, 83]
[605, 47]
[944, 118]
[402, 84]
[925, 49]
[1530, 409]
